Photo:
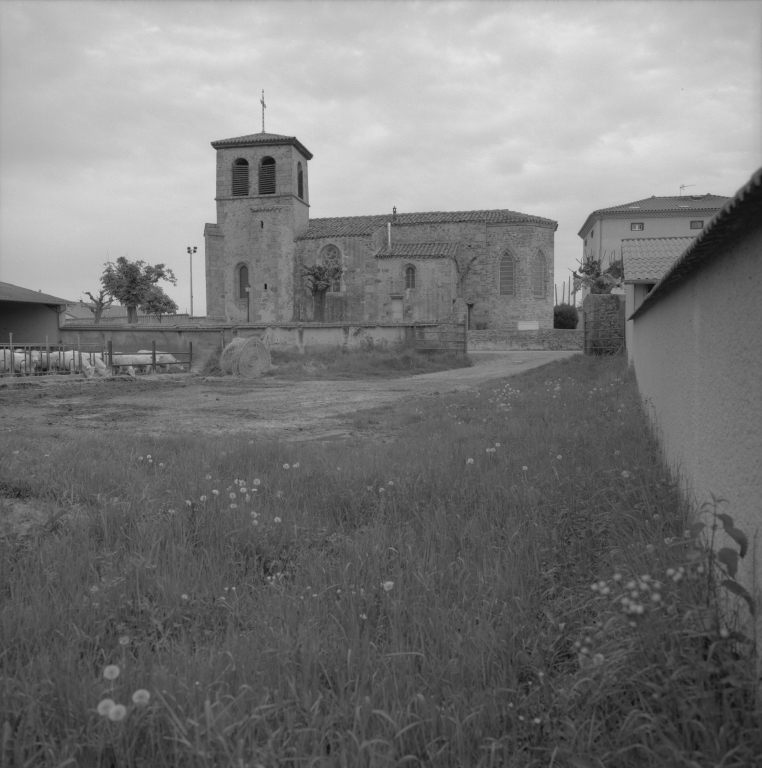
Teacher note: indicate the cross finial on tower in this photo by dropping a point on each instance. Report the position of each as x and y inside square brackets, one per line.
[264, 106]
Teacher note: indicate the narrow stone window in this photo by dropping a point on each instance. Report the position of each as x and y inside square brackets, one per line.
[507, 276]
[538, 276]
[331, 254]
[267, 176]
[240, 178]
[300, 181]
[410, 277]
[243, 282]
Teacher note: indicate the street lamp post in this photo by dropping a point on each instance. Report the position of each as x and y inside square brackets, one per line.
[191, 251]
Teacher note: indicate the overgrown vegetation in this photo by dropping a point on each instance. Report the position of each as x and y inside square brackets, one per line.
[510, 584]
[369, 361]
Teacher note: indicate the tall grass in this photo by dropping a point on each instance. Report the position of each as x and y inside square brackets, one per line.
[425, 601]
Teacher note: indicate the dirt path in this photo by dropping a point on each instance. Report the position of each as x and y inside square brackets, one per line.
[268, 407]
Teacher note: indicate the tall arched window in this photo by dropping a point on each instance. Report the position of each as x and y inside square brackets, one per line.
[332, 255]
[410, 277]
[240, 177]
[267, 176]
[507, 276]
[539, 276]
[300, 181]
[243, 281]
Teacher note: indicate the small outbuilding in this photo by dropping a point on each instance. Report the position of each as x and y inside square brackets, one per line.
[29, 315]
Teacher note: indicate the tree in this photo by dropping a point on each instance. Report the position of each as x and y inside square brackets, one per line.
[99, 305]
[591, 276]
[463, 267]
[158, 303]
[321, 277]
[131, 282]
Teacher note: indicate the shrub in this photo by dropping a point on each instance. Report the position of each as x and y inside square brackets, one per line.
[565, 316]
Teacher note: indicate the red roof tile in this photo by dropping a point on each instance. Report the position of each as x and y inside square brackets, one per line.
[358, 226]
[419, 251]
[648, 258]
[253, 139]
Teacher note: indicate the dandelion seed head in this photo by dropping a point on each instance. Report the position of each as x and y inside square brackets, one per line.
[124, 640]
[184, 598]
[215, 493]
[286, 466]
[141, 697]
[117, 712]
[111, 672]
[276, 520]
[105, 706]
[295, 465]
[202, 498]
[469, 461]
[625, 474]
[208, 477]
[388, 586]
[525, 468]
[256, 482]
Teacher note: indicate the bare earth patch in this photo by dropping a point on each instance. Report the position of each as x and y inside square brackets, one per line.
[189, 404]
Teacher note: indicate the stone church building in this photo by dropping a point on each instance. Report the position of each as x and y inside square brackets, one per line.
[398, 267]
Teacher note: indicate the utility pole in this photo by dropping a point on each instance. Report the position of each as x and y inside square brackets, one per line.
[191, 251]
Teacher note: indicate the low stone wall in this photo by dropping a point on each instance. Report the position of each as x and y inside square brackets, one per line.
[498, 339]
[206, 340]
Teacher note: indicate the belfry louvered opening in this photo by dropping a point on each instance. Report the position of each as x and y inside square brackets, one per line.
[300, 181]
[240, 177]
[267, 176]
[507, 276]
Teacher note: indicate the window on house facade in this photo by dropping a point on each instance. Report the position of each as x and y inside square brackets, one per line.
[267, 176]
[636, 226]
[240, 177]
[697, 225]
[592, 234]
[538, 276]
[507, 276]
[300, 181]
[243, 281]
[332, 255]
[410, 277]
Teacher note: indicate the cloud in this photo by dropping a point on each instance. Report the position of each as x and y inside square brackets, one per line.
[107, 112]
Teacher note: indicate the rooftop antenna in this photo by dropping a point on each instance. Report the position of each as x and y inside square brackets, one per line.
[264, 106]
[682, 186]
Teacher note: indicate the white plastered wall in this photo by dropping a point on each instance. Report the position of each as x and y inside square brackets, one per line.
[698, 360]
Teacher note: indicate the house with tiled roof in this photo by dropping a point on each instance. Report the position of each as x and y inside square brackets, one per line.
[605, 229]
[645, 260]
[397, 267]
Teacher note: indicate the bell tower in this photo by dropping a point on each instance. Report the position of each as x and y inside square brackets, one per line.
[262, 205]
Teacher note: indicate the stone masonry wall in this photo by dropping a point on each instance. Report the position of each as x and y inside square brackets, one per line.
[604, 323]
[495, 339]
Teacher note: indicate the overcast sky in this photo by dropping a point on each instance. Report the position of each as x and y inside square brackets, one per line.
[107, 111]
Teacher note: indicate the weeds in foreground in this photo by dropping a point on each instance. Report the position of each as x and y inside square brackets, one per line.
[510, 584]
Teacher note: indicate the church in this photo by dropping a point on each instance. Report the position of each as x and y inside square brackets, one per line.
[398, 267]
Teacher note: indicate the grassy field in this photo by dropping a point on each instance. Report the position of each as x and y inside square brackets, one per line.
[386, 361]
[508, 584]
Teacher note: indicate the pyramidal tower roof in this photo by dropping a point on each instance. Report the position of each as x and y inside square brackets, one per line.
[257, 139]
